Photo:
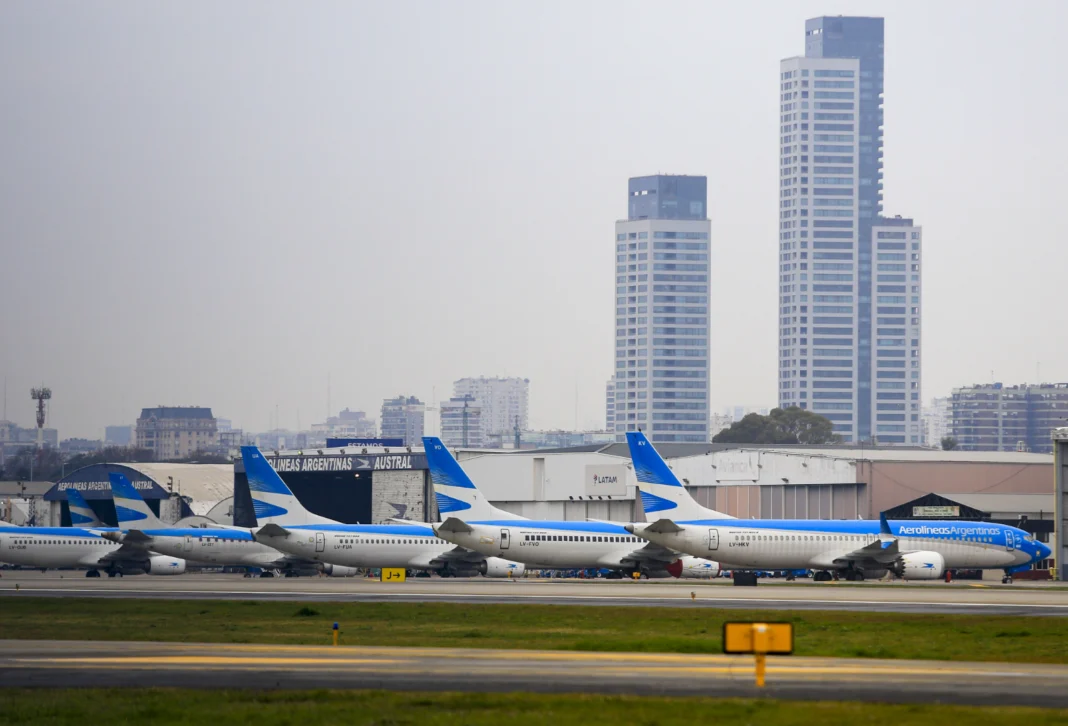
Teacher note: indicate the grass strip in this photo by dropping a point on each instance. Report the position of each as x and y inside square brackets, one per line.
[551, 627]
[161, 706]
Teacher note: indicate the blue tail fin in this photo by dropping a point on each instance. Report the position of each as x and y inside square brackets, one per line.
[81, 514]
[272, 500]
[130, 507]
[454, 491]
[662, 494]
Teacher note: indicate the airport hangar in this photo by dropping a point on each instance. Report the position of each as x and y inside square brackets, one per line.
[375, 484]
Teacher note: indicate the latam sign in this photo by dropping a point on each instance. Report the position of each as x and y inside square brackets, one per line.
[606, 480]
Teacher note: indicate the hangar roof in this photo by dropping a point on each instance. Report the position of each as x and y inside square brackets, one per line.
[894, 453]
[199, 482]
[202, 482]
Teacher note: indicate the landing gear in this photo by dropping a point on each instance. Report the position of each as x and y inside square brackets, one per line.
[822, 576]
[92, 573]
[854, 576]
[265, 573]
[1007, 580]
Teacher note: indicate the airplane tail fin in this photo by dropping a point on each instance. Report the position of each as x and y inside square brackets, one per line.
[81, 514]
[456, 495]
[131, 510]
[272, 500]
[662, 494]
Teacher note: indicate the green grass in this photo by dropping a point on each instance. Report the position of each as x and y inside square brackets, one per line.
[308, 708]
[554, 627]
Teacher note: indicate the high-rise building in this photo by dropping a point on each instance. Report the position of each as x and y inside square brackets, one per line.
[937, 421]
[174, 432]
[994, 417]
[849, 278]
[662, 310]
[118, 435]
[461, 423]
[504, 402]
[610, 405]
[402, 418]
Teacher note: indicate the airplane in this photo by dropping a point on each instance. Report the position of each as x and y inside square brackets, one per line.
[232, 546]
[81, 515]
[82, 546]
[859, 549]
[410, 545]
[471, 521]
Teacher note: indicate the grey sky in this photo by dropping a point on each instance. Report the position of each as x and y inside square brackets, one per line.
[221, 203]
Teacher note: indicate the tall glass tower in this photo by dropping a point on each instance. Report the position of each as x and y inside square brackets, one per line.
[662, 269]
[849, 278]
[860, 38]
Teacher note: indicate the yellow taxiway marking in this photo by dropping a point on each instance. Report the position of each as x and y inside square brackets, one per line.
[205, 660]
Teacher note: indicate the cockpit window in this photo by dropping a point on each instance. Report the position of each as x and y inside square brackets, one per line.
[1028, 538]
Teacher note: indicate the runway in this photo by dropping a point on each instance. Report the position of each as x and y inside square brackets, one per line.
[934, 597]
[90, 664]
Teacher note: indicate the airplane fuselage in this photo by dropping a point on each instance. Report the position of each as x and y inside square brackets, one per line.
[802, 544]
[558, 545]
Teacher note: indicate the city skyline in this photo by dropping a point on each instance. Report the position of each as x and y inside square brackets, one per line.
[252, 232]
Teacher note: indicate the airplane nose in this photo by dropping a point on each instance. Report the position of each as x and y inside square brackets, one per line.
[1044, 551]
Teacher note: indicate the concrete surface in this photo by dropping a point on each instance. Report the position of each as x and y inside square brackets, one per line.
[85, 664]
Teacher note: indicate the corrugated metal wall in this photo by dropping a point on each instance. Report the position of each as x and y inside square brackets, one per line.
[397, 494]
[786, 501]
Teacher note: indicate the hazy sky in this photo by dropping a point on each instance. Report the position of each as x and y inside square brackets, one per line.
[224, 203]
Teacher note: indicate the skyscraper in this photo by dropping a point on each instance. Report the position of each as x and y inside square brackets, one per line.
[661, 297]
[831, 231]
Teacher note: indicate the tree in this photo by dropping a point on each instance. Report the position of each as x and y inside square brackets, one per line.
[792, 425]
[805, 426]
[948, 443]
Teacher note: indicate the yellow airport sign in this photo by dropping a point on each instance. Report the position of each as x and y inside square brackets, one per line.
[767, 638]
[758, 639]
[393, 574]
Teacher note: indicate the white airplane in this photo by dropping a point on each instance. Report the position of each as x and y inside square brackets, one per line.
[82, 546]
[471, 521]
[214, 546]
[81, 514]
[917, 550]
[409, 545]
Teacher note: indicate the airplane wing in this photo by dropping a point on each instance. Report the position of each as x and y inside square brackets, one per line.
[129, 551]
[651, 553]
[461, 554]
[879, 553]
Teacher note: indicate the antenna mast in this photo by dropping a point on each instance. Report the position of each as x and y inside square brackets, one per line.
[40, 395]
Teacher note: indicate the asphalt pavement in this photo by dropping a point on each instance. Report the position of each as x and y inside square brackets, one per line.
[109, 664]
[931, 597]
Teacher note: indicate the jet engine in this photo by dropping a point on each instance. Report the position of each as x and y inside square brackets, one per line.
[339, 571]
[919, 566]
[693, 568]
[497, 567]
[164, 565]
